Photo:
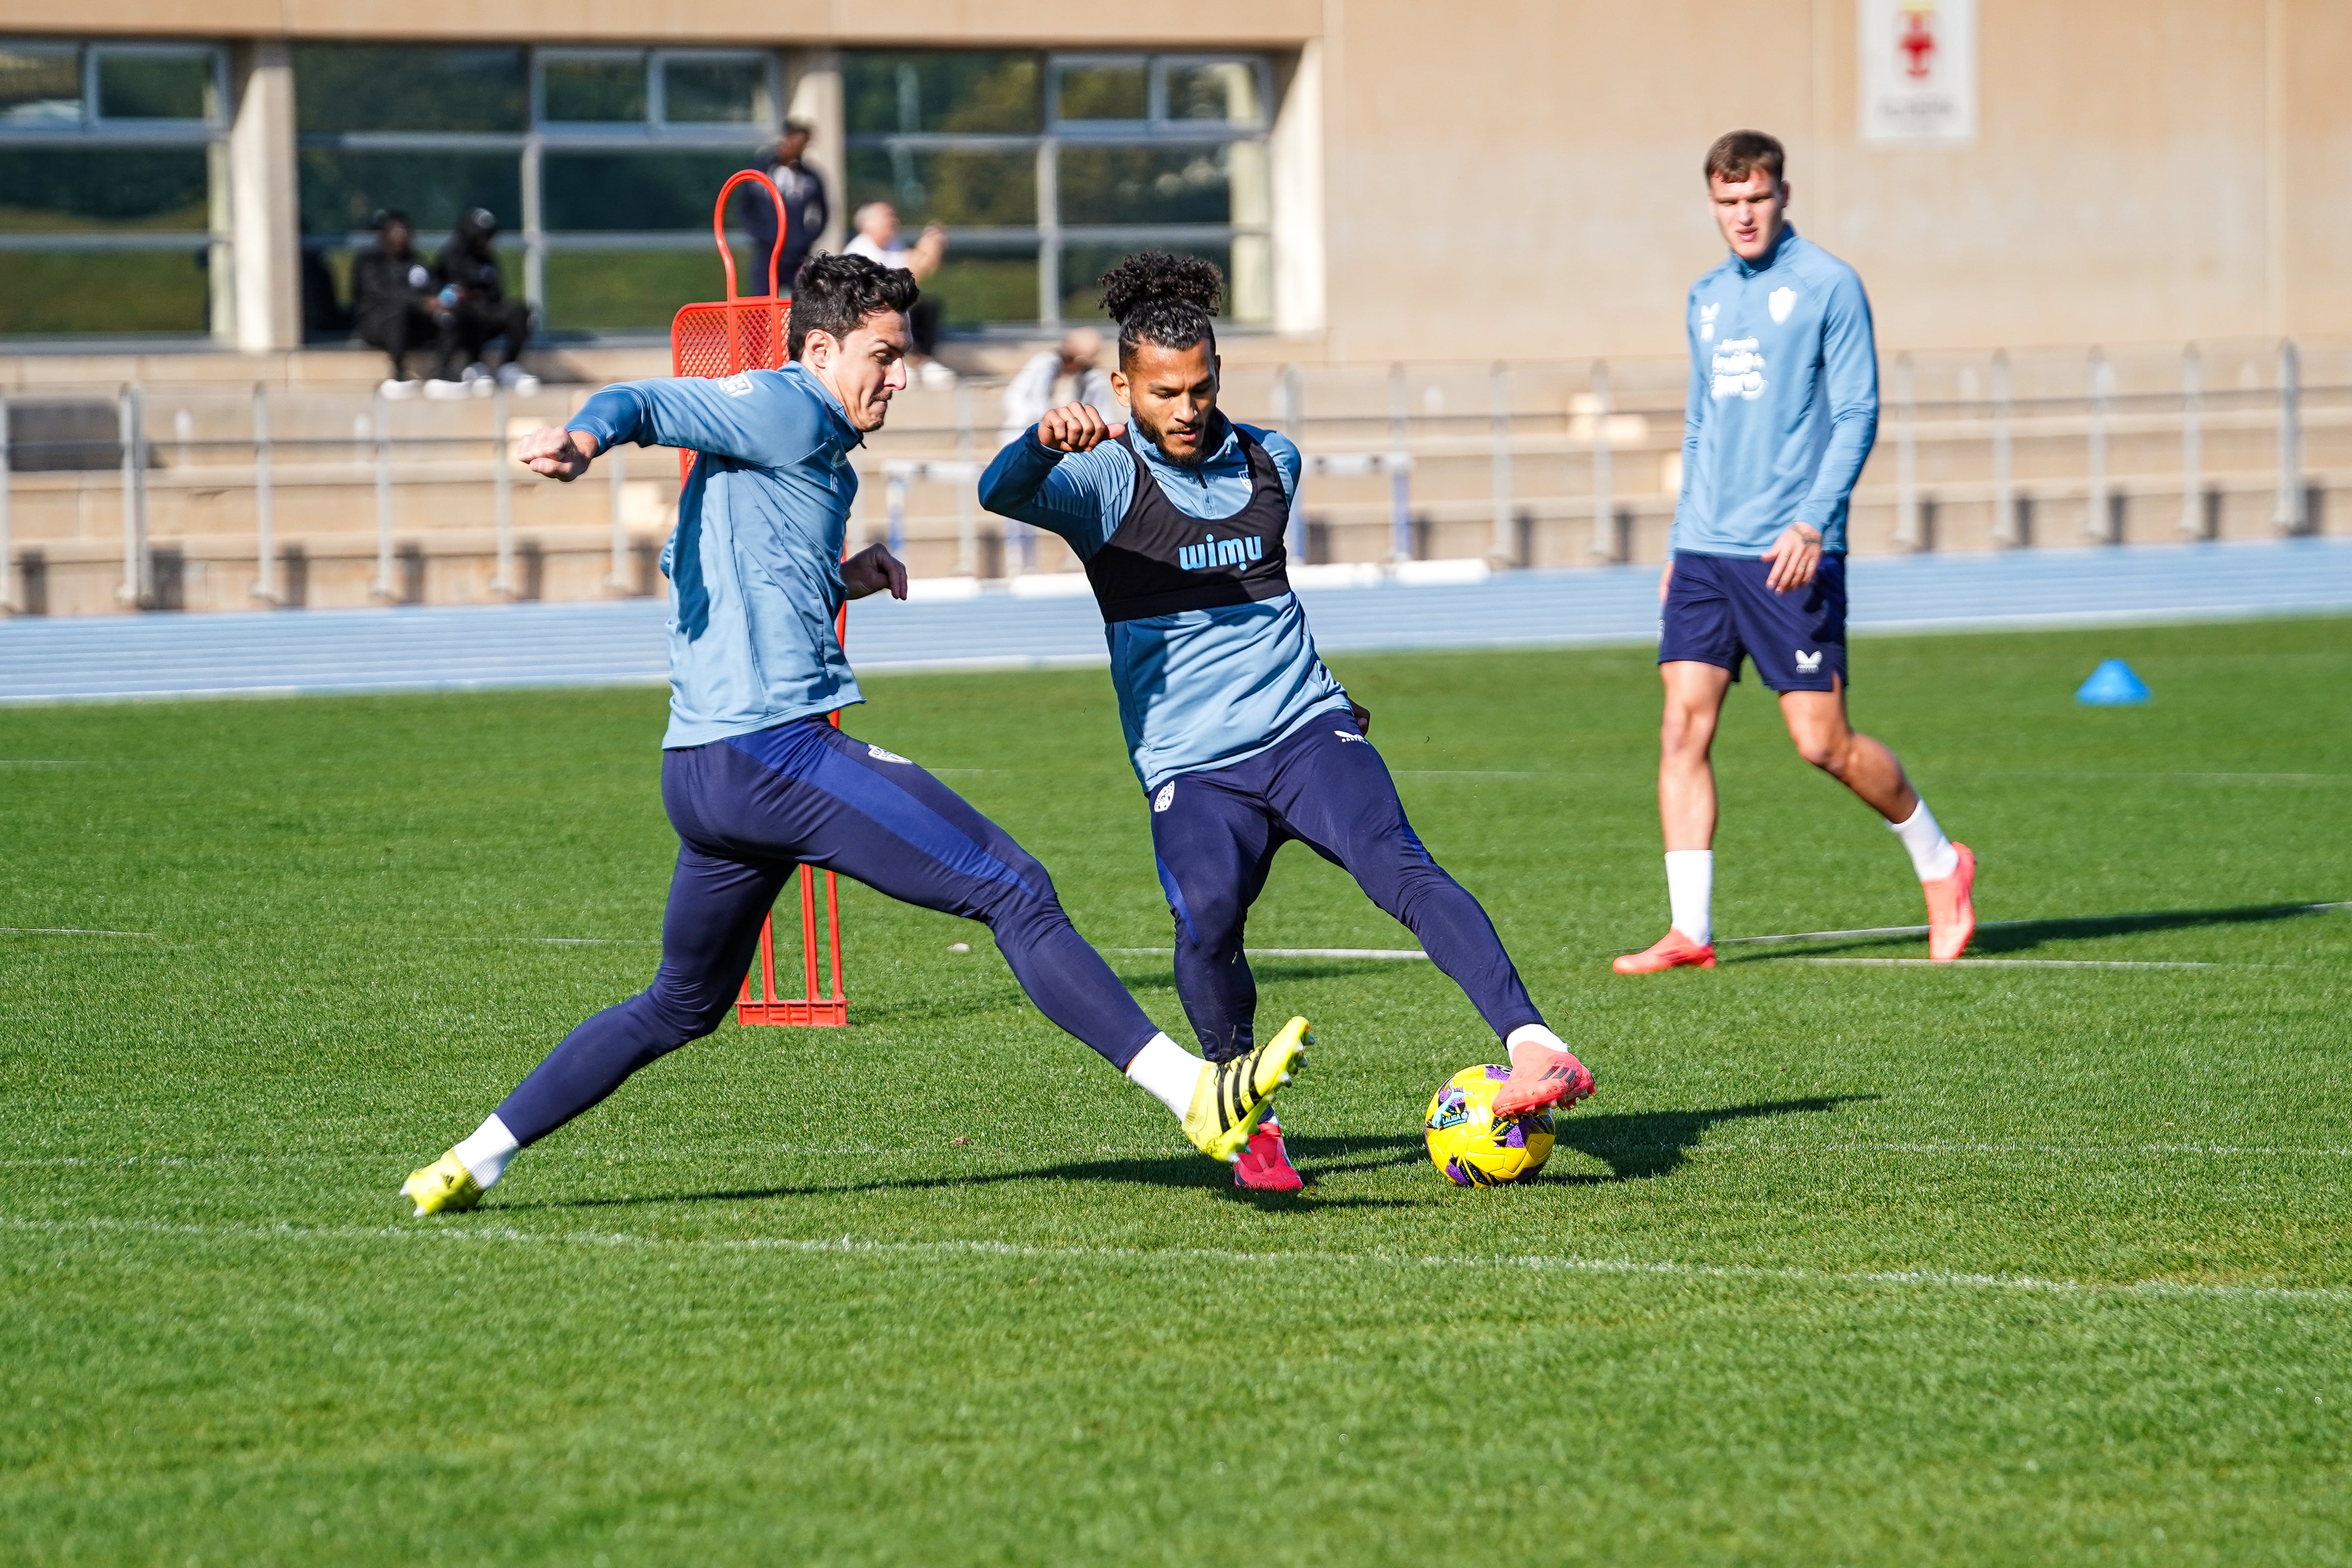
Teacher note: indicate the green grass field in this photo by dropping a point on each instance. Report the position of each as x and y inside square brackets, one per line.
[1848, 1262]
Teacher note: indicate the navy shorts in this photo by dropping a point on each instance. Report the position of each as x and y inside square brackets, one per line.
[1718, 609]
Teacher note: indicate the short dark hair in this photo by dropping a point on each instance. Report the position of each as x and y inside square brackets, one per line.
[1164, 300]
[1739, 153]
[835, 294]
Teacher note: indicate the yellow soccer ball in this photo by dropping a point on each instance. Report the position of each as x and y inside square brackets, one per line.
[1470, 1146]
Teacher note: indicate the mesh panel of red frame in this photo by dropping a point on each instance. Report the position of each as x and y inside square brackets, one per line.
[721, 338]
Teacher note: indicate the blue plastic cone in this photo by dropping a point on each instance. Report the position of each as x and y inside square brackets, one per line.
[2112, 685]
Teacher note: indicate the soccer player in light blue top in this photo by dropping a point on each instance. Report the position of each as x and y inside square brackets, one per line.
[1780, 415]
[1241, 739]
[756, 780]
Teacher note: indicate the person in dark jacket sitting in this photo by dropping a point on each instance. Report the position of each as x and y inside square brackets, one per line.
[392, 297]
[475, 310]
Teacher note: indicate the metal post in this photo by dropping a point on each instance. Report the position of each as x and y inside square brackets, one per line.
[138, 585]
[183, 431]
[381, 588]
[1399, 409]
[2094, 510]
[967, 521]
[617, 486]
[2004, 480]
[265, 568]
[2287, 515]
[1604, 499]
[502, 580]
[2192, 452]
[8, 603]
[1290, 405]
[1498, 394]
[1907, 535]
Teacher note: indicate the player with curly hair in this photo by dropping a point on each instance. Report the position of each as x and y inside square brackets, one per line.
[1243, 740]
[758, 782]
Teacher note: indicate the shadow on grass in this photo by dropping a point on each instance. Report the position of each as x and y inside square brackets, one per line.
[2024, 936]
[1635, 1145]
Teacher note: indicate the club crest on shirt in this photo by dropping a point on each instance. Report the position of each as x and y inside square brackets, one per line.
[1166, 797]
[1780, 302]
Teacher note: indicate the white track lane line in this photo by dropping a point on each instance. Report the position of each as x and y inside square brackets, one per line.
[68, 931]
[1406, 953]
[848, 1246]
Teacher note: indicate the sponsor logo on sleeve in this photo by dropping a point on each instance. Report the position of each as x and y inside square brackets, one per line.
[738, 385]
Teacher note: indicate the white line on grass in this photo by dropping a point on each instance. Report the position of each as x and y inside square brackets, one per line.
[1981, 925]
[66, 931]
[1930, 1278]
[1384, 952]
[2022, 963]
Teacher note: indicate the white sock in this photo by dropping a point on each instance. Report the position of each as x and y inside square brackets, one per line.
[1533, 1035]
[486, 1154]
[1169, 1071]
[1690, 892]
[1932, 855]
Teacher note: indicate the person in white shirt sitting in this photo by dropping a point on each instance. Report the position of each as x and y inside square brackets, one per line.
[880, 240]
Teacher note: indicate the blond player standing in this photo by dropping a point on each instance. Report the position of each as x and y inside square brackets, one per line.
[1782, 413]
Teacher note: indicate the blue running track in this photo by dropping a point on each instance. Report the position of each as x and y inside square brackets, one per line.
[620, 642]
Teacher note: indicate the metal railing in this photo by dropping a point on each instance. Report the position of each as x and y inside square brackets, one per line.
[1507, 463]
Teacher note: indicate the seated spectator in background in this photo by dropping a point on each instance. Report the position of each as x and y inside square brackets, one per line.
[476, 312]
[878, 240]
[392, 297]
[1030, 395]
[805, 208]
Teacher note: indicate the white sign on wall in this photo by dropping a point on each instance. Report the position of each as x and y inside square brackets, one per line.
[1918, 71]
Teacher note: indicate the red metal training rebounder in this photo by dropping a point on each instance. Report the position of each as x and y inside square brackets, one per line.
[725, 337]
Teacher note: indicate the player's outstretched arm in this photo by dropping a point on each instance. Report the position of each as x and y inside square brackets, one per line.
[1031, 480]
[872, 570]
[558, 452]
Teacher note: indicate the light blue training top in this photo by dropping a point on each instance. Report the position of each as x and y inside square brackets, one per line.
[754, 565]
[1783, 402]
[1198, 688]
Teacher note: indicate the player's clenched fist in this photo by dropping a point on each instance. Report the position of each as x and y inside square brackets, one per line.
[558, 452]
[1077, 429]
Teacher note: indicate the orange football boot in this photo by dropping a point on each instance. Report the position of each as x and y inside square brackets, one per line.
[1951, 909]
[1541, 1078]
[1672, 951]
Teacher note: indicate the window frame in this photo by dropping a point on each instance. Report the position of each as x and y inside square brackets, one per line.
[1051, 236]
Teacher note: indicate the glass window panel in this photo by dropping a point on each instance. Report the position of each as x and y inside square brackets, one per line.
[1083, 264]
[975, 288]
[715, 92]
[962, 90]
[607, 90]
[154, 86]
[604, 192]
[1225, 90]
[1104, 92]
[103, 291]
[342, 190]
[85, 189]
[630, 291]
[40, 87]
[1146, 185]
[409, 86]
[959, 188]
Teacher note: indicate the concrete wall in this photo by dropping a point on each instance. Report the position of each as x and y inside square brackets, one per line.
[1519, 179]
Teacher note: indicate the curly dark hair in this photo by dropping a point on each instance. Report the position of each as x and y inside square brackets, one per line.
[836, 294]
[1164, 300]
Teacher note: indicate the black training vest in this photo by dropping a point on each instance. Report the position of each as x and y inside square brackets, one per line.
[1159, 561]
